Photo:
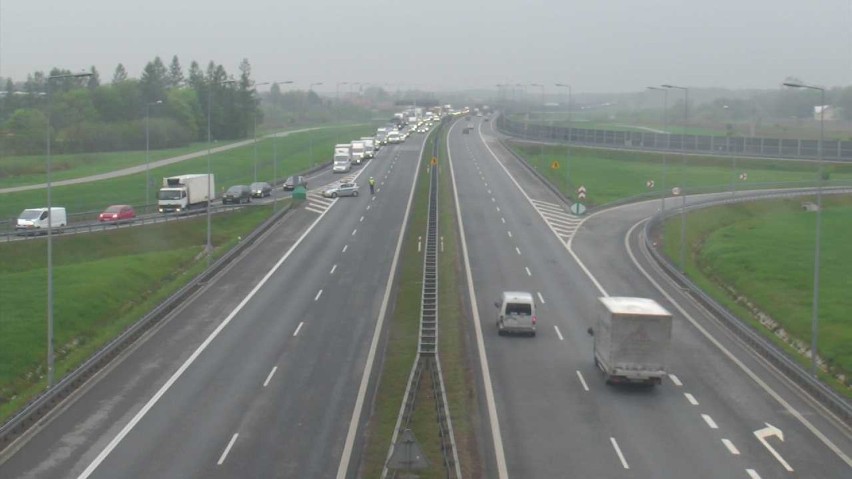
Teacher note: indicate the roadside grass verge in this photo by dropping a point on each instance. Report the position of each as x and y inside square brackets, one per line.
[617, 175]
[295, 153]
[103, 283]
[758, 257]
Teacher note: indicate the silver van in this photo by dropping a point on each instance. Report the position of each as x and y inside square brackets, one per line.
[516, 313]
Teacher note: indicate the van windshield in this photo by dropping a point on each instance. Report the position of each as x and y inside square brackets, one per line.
[519, 308]
[169, 194]
[30, 214]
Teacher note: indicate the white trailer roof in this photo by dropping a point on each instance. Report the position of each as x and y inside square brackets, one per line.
[634, 306]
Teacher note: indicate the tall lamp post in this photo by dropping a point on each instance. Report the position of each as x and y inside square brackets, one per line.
[668, 144]
[683, 189]
[815, 307]
[50, 353]
[568, 140]
[209, 247]
[255, 129]
[147, 153]
[275, 154]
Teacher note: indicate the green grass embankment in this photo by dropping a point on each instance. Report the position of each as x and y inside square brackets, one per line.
[616, 175]
[759, 257]
[103, 283]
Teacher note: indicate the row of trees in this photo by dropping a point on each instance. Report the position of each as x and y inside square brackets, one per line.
[86, 115]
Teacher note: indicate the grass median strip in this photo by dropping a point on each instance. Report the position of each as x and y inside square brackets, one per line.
[103, 283]
[401, 348]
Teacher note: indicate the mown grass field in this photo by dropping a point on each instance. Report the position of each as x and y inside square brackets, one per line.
[295, 153]
[765, 251]
[102, 283]
[616, 175]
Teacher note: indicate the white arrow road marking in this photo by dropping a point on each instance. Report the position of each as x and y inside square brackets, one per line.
[763, 434]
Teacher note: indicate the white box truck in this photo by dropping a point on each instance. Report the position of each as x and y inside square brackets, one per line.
[632, 337]
[180, 193]
[341, 162]
[356, 151]
[370, 146]
[35, 220]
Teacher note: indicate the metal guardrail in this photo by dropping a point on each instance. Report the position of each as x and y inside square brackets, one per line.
[834, 150]
[428, 360]
[38, 407]
[824, 395]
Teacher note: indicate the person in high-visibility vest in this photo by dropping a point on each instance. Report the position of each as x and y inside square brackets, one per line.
[372, 185]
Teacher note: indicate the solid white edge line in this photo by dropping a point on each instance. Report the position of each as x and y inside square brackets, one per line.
[752, 474]
[530, 200]
[558, 332]
[177, 374]
[228, 448]
[540, 298]
[582, 380]
[675, 380]
[298, 328]
[618, 451]
[318, 295]
[748, 372]
[709, 420]
[691, 399]
[269, 377]
[371, 355]
[496, 435]
[731, 448]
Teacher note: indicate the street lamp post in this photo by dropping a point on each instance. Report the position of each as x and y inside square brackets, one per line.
[668, 144]
[147, 153]
[50, 353]
[683, 188]
[209, 247]
[815, 307]
[255, 131]
[568, 140]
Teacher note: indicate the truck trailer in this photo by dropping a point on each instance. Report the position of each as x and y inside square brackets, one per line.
[632, 337]
[180, 193]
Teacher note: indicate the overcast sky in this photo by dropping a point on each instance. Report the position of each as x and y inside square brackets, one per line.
[595, 45]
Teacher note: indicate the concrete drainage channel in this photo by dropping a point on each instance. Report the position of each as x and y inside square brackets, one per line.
[404, 455]
[39, 407]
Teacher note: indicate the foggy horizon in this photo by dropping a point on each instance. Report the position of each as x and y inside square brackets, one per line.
[616, 47]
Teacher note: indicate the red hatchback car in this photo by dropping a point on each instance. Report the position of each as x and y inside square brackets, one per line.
[118, 213]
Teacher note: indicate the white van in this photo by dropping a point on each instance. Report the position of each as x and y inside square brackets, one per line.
[35, 219]
[516, 313]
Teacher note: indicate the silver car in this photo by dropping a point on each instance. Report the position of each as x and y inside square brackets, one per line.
[343, 189]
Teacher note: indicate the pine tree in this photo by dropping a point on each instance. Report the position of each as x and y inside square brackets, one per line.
[175, 77]
[120, 74]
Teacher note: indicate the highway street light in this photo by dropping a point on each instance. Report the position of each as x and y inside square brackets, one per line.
[682, 187]
[815, 306]
[668, 144]
[568, 140]
[147, 151]
[209, 247]
[50, 354]
[255, 130]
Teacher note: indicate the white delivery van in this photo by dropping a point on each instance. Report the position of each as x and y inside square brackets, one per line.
[516, 313]
[36, 219]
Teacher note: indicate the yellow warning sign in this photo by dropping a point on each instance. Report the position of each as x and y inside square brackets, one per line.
[434, 161]
[554, 165]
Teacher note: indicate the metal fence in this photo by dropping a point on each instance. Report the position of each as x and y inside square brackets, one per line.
[833, 150]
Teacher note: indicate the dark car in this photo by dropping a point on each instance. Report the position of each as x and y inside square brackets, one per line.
[260, 189]
[116, 213]
[294, 181]
[237, 194]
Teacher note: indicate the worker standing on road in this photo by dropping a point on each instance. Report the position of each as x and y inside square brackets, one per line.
[372, 185]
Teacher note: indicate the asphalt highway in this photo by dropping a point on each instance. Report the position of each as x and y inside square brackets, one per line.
[259, 374]
[720, 411]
